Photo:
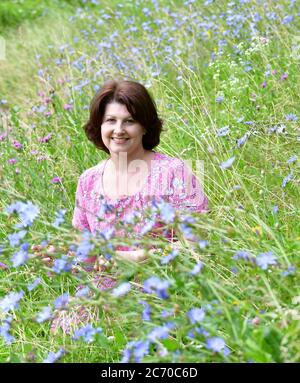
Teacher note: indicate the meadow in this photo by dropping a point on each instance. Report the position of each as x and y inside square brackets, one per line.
[225, 77]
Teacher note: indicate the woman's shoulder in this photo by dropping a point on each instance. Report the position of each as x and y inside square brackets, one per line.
[91, 174]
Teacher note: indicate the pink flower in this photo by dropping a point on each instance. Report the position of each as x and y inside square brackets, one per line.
[284, 76]
[12, 161]
[46, 138]
[55, 180]
[3, 135]
[18, 171]
[48, 114]
[34, 152]
[68, 107]
[17, 145]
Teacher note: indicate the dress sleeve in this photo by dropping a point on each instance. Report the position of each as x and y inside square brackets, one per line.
[187, 192]
[79, 220]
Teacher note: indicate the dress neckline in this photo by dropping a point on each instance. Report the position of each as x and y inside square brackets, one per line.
[129, 196]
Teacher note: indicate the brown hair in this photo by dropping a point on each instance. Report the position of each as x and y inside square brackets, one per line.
[138, 103]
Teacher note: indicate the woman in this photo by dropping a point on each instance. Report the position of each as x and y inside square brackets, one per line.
[124, 123]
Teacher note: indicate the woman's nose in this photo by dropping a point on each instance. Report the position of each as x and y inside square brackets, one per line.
[119, 127]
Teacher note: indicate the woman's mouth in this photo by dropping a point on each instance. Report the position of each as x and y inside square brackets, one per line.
[119, 140]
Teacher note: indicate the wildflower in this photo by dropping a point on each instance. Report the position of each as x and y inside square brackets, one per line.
[4, 331]
[33, 285]
[19, 258]
[227, 164]
[292, 159]
[240, 142]
[284, 76]
[219, 99]
[263, 260]
[146, 315]
[17, 145]
[83, 250]
[290, 271]
[59, 218]
[137, 350]
[275, 209]
[62, 264]
[15, 238]
[291, 117]
[197, 268]
[243, 255]
[121, 290]
[87, 333]
[196, 315]
[83, 292]
[54, 357]
[11, 301]
[55, 180]
[287, 179]
[11, 161]
[263, 84]
[27, 212]
[158, 286]
[202, 244]
[215, 344]
[68, 107]
[160, 332]
[61, 302]
[223, 131]
[187, 231]
[46, 138]
[257, 230]
[167, 212]
[167, 258]
[44, 314]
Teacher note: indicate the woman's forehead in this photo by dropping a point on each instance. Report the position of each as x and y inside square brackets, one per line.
[116, 109]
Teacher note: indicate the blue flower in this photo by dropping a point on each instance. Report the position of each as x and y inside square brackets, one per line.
[227, 164]
[87, 333]
[287, 179]
[291, 117]
[33, 285]
[62, 264]
[44, 314]
[223, 131]
[19, 258]
[243, 254]
[263, 260]
[83, 292]
[219, 99]
[121, 290]
[11, 301]
[62, 301]
[215, 344]
[60, 218]
[146, 314]
[27, 212]
[160, 332]
[54, 357]
[4, 331]
[158, 286]
[136, 350]
[240, 142]
[197, 268]
[196, 315]
[167, 258]
[15, 238]
[167, 212]
[290, 271]
[292, 159]
[83, 250]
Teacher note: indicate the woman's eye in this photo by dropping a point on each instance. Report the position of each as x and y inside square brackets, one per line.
[110, 119]
[130, 121]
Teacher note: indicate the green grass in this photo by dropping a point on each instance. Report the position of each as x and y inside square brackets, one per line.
[255, 311]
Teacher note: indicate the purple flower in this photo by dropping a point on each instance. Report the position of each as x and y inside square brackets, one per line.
[136, 350]
[62, 264]
[27, 212]
[240, 142]
[223, 131]
[68, 106]
[15, 238]
[12, 161]
[87, 333]
[44, 314]
[243, 255]
[121, 290]
[17, 145]
[160, 332]
[33, 285]
[196, 315]
[11, 301]
[19, 258]
[290, 271]
[60, 218]
[61, 302]
[197, 268]
[83, 250]
[46, 138]
[219, 99]
[227, 164]
[82, 292]
[158, 286]
[263, 260]
[284, 76]
[54, 357]
[56, 180]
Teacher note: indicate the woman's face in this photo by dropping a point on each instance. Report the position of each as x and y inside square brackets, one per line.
[119, 131]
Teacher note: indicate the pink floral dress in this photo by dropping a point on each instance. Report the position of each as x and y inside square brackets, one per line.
[169, 179]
